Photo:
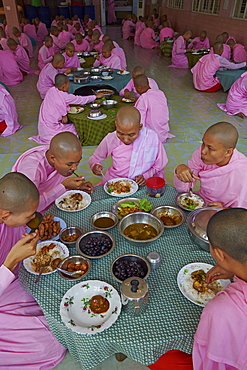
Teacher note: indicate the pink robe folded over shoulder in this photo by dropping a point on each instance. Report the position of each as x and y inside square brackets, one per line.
[128, 160]
[54, 107]
[153, 108]
[204, 72]
[26, 43]
[3, 43]
[239, 53]
[147, 39]
[46, 79]
[236, 101]
[71, 61]
[220, 340]
[131, 87]
[33, 163]
[120, 53]
[97, 47]
[226, 52]
[84, 46]
[42, 31]
[26, 341]
[128, 29]
[64, 37]
[30, 30]
[199, 44]
[57, 45]
[166, 32]
[140, 26]
[112, 62]
[8, 112]
[45, 56]
[22, 59]
[226, 184]
[10, 73]
[179, 57]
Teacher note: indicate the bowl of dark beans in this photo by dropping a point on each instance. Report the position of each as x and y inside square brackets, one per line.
[95, 244]
[129, 265]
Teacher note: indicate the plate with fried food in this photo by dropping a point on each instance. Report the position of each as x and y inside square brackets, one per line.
[192, 282]
[48, 256]
[121, 187]
[73, 201]
[76, 110]
[123, 207]
[50, 227]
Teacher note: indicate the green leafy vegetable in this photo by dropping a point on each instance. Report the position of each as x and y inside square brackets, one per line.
[129, 204]
[191, 206]
[110, 189]
[145, 205]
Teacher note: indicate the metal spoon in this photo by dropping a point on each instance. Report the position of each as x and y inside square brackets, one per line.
[71, 274]
[39, 276]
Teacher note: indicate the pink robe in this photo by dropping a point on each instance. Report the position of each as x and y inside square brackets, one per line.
[236, 101]
[166, 32]
[97, 47]
[131, 87]
[26, 43]
[6, 30]
[147, 39]
[120, 53]
[54, 23]
[204, 72]
[41, 31]
[154, 112]
[46, 79]
[239, 53]
[179, 57]
[57, 45]
[111, 16]
[25, 339]
[53, 108]
[128, 29]
[10, 73]
[145, 156]
[3, 43]
[112, 62]
[140, 26]
[22, 59]
[226, 184]
[64, 37]
[199, 44]
[226, 52]
[220, 340]
[45, 56]
[84, 46]
[71, 61]
[99, 29]
[8, 112]
[34, 165]
[30, 31]
[74, 31]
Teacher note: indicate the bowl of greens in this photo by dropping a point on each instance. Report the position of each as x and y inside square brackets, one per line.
[131, 205]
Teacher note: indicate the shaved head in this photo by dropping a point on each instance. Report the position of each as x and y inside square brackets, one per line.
[15, 30]
[110, 43]
[231, 42]
[217, 47]
[61, 79]
[78, 36]
[107, 46]
[220, 38]
[225, 36]
[96, 33]
[141, 80]
[225, 132]
[128, 116]
[203, 33]
[48, 38]
[227, 231]
[69, 45]
[2, 33]
[106, 38]
[11, 42]
[138, 70]
[58, 58]
[17, 192]
[64, 143]
[188, 32]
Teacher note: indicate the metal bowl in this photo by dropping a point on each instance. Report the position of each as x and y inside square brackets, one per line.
[141, 217]
[96, 71]
[86, 53]
[120, 201]
[100, 234]
[195, 197]
[81, 80]
[107, 92]
[95, 77]
[86, 73]
[95, 113]
[77, 260]
[197, 222]
[169, 211]
[98, 215]
[131, 258]
[69, 231]
[109, 103]
[95, 105]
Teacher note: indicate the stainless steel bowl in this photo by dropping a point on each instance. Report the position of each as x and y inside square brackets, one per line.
[95, 113]
[86, 73]
[195, 196]
[141, 217]
[109, 103]
[197, 222]
[96, 71]
[81, 80]
[95, 105]
[120, 201]
[95, 77]
[131, 258]
[98, 215]
[69, 231]
[169, 211]
[100, 234]
[77, 260]
[106, 95]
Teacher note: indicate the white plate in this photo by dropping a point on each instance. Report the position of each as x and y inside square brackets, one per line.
[76, 314]
[62, 226]
[185, 272]
[60, 247]
[78, 111]
[194, 197]
[125, 100]
[107, 78]
[86, 197]
[123, 73]
[133, 190]
[103, 116]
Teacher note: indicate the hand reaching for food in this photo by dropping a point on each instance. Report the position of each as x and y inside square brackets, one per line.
[73, 183]
[97, 169]
[215, 204]
[185, 174]
[140, 180]
[87, 187]
[218, 272]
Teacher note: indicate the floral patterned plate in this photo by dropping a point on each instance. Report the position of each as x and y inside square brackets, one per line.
[187, 289]
[75, 309]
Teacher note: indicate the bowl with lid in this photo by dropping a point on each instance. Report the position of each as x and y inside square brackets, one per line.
[155, 186]
[95, 113]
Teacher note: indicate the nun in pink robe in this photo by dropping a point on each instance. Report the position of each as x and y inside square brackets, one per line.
[196, 43]
[225, 184]
[131, 87]
[147, 39]
[154, 112]
[26, 341]
[45, 56]
[236, 101]
[112, 62]
[10, 73]
[64, 37]
[8, 112]
[166, 32]
[145, 156]
[46, 79]
[128, 29]
[111, 16]
[30, 30]
[226, 52]
[239, 53]
[57, 45]
[140, 26]
[71, 61]
[179, 57]
[84, 46]
[41, 31]
[26, 43]
[54, 107]
[120, 53]
[22, 59]
[3, 43]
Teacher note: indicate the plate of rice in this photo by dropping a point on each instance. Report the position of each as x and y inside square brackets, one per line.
[120, 187]
[73, 201]
[191, 281]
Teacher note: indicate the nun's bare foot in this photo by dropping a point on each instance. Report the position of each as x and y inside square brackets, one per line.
[241, 115]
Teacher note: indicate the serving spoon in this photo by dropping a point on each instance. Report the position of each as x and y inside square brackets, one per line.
[70, 273]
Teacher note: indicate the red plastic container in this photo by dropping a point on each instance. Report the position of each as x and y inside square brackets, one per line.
[155, 186]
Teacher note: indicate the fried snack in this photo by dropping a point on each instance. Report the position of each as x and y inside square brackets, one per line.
[99, 304]
[49, 228]
[46, 258]
[70, 238]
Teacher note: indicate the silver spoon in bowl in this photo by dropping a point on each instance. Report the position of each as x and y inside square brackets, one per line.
[71, 274]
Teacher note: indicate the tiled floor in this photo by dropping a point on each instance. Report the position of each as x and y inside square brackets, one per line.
[191, 112]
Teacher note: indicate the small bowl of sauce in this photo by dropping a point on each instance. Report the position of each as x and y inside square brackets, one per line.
[104, 220]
